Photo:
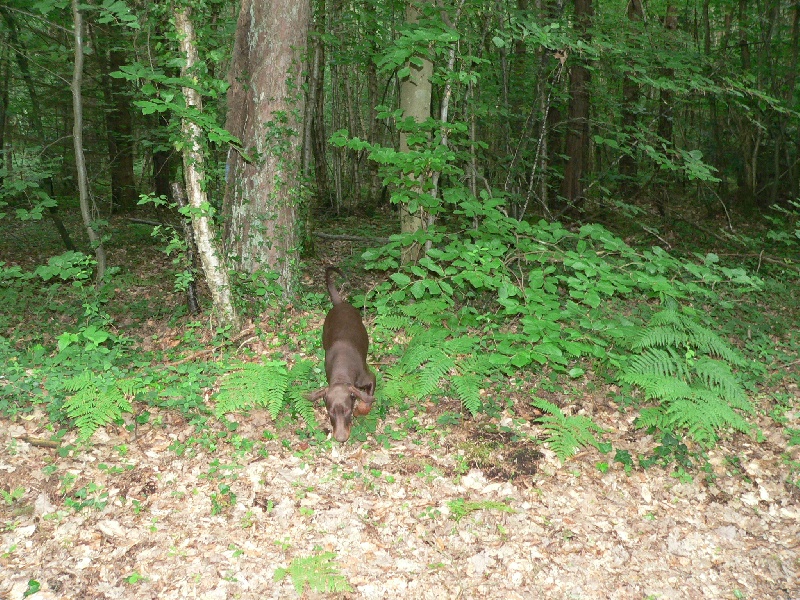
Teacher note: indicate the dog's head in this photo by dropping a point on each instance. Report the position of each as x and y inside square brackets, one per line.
[343, 401]
[339, 402]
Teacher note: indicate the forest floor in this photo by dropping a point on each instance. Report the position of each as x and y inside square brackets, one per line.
[401, 521]
[473, 509]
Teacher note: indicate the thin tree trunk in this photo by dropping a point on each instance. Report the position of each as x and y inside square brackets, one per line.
[77, 138]
[375, 183]
[162, 163]
[192, 302]
[577, 146]
[415, 102]
[791, 78]
[319, 141]
[664, 127]
[193, 161]
[630, 97]
[747, 177]
[5, 76]
[314, 88]
[119, 129]
[36, 119]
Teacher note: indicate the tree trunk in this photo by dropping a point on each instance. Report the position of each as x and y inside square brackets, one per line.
[36, 120]
[193, 161]
[77, 138]
[664, 127]
[577, 145]
[119, 128]
[375, 183]
[746, 178]
[5, 76]
[162, 162]
[415, 102]
[630, 97]
[791, 97]
[264, 103]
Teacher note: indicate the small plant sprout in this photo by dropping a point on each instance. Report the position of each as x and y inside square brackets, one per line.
[317, 572]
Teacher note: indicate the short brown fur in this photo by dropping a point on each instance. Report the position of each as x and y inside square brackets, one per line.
[351, 385]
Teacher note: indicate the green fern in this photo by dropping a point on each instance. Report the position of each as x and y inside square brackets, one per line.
[671, 327]
[393, 322]
[254, 384]
[565, 435]
[686, 367]
[270, 385]
[318, 572]
[397, 385]
[467, 388]
[428, 311]
[96, 401]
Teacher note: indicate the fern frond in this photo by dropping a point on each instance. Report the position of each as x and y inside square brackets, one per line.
[428, 311]
[651, 416]
[565, 435]
[82, 380]
[130, 386]
[717, 375]
[548, 407]
[254, 384]
[318, 572]
[431, 374]
[482, 363]
[459, 345]
[659, 362]
[468, 391]
[661, 387]
[300, 370]
[705, 340]
[301, 405]
[670, 314]
[428, 336]
[660, 337]
[414, 356]
[397, 385]
[94, 403]
[393, 322]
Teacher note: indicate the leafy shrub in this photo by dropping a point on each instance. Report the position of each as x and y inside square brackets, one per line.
[514, 295]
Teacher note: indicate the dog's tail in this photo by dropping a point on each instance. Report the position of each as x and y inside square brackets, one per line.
[334, 293]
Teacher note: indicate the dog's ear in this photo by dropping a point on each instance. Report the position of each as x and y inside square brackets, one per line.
[318, 394]
[366, 400]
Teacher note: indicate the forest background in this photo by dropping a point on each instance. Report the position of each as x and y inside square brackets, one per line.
[566, 196]
[572, 229]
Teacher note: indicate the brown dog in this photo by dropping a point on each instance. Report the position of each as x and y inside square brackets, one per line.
[351, 385]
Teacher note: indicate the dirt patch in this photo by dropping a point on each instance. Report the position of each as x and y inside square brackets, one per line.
[463, 512]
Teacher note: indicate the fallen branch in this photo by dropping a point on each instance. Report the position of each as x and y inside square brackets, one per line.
[41, 442]
[351, 238]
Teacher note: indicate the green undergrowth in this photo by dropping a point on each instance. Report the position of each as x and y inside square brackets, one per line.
[688, 341]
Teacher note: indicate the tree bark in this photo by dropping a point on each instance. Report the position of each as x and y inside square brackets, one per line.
[415, 102]
[749, 144]
[791, 97]
[664, 127]
[577, 145]
[213, 266]
[265, 102]
[77, 138]
[163, 161]
[119, 128]
[630, 97]
[5, 76]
